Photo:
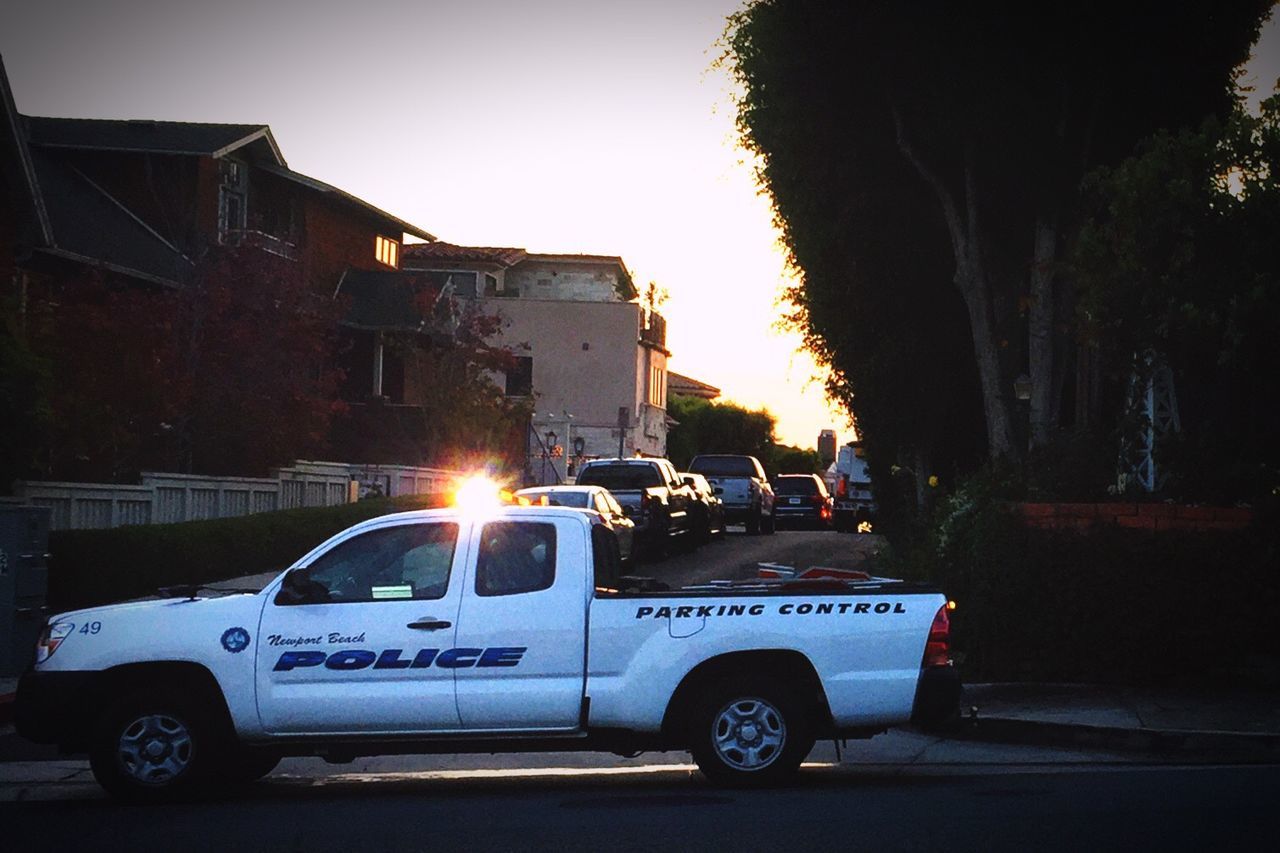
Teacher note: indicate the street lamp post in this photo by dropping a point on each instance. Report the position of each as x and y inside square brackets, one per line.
[568, 437]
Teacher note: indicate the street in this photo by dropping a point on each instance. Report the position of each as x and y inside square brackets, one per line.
[900, 790]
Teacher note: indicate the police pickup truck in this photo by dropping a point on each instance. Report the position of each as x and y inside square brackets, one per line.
[503, 630]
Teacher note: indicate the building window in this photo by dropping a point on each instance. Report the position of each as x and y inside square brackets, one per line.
[233, 185]
[520, 377]
[657, 387]
[386, 251]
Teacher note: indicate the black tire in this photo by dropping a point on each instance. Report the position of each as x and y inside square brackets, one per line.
[701, 527]
[753, 520]
[769, 524]
[155, 745]
[748, 732]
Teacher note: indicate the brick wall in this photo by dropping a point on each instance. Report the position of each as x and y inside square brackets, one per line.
[1151, 516]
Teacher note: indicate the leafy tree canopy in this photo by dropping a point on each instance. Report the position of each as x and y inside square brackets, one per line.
[1180, 258]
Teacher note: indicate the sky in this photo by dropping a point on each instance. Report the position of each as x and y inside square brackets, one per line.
[558, 126]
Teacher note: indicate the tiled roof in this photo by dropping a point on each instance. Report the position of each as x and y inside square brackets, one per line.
[161, 137]
[688, 387]
[441, 251]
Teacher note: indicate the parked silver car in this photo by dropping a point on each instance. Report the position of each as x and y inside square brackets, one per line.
[595, 499]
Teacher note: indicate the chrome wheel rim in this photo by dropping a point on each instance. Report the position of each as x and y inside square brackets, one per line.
[748, 734]
[155, 749]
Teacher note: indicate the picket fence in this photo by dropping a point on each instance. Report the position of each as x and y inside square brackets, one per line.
[168, 498]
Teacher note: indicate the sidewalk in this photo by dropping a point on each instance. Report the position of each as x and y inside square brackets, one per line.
[1235, 725]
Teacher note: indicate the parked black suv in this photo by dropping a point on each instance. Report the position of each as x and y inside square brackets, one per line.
[802, 499]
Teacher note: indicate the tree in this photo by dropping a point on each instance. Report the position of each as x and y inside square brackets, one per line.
[231, 373]
[1179, 258]
[707, 427]
[971, 126]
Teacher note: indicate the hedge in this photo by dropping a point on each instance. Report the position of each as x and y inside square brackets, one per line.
[91, 567]
[1109, 605]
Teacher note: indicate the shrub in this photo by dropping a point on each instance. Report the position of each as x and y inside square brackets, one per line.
[91, 567]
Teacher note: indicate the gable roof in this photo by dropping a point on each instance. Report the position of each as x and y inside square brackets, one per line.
[342, 195]
[441, 251]
[17, 168]
[154, 137]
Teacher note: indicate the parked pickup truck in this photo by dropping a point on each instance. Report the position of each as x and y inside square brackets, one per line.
[741, 483]
[447, 631]
[652, 494]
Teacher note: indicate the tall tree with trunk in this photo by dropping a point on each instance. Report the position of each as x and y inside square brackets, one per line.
[997, 112]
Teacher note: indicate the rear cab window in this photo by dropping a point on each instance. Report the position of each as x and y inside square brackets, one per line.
[516, 557]
[621, 477]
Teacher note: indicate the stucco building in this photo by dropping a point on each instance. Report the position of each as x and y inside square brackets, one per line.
[590, 357]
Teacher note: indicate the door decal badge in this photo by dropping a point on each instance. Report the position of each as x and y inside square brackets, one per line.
[357, 659]
[235, 640]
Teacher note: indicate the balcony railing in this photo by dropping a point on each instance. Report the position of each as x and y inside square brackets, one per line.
[264, 241]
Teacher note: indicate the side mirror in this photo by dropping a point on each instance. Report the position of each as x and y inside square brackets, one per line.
[719, 490]
[298, 588]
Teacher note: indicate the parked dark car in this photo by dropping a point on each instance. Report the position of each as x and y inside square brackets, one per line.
[708, 509]
[802, 499]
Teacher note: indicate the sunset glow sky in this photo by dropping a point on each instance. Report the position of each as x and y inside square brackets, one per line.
[553, 125]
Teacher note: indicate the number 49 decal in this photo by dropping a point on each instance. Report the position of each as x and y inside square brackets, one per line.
[90, 628]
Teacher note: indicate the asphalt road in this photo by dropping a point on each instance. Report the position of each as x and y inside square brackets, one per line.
[862, 808]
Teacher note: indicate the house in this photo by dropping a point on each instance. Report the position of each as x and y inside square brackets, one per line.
[144, 202]
[591, 358]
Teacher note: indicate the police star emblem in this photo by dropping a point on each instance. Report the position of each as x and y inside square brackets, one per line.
[235, 640]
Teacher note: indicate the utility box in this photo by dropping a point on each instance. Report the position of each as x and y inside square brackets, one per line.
[24, 584]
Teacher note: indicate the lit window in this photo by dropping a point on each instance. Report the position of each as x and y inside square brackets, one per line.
[657, 387]
[386, 251]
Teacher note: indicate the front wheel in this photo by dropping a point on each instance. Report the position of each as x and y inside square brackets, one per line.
[748, 732]
[753, 520]
[154, 745]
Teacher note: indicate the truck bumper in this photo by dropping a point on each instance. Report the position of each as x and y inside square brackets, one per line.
[51, 707]
[937, 697]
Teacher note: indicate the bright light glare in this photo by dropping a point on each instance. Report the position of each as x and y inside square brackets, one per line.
[864, 527]
[477, 495]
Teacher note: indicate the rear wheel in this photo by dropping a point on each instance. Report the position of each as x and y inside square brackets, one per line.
[748, 732]
[753, 520]
[154, 745]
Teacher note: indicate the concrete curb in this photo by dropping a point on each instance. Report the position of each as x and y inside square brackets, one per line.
[1235, 746]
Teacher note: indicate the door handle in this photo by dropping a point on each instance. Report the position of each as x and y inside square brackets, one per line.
[429, 625]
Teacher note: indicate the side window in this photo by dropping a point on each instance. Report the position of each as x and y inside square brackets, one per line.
[407, 561]
[606, 556]
[516, 557]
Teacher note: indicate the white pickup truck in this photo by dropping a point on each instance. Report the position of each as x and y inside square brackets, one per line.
[444, 631]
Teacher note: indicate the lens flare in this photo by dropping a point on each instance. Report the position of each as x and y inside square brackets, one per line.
[478, 495]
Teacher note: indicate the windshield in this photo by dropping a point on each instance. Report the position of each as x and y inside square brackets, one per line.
[578, 500]
[724, 466]
[620, 477]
